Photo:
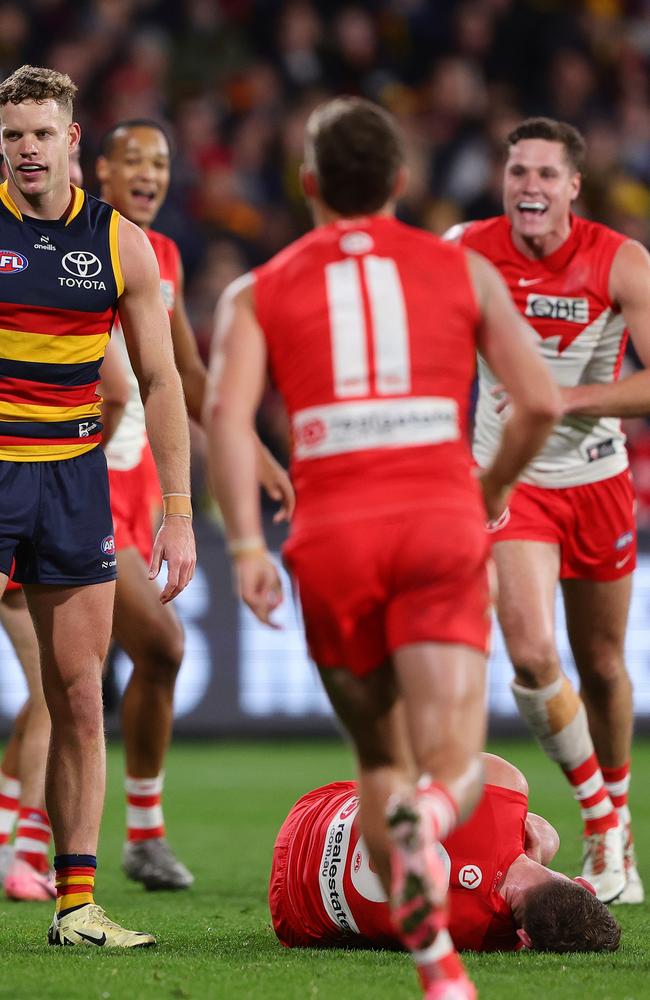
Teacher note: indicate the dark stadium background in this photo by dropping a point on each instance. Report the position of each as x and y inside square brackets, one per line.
[233, 81]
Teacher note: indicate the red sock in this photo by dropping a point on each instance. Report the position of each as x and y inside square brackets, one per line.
[33, 838]
[9, 799]
[617, 782]
[597, 809]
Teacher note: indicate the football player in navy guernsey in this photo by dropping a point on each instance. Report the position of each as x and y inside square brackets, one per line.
[56, 313]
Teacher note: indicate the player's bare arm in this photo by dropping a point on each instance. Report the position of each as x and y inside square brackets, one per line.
[507, 344]
[629, 286]
[146, 332]
[186, 353]
[193, 375]
[114, 390]
[235, 385]
[542, 841]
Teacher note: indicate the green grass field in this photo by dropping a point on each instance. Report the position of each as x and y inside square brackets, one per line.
[224, 804]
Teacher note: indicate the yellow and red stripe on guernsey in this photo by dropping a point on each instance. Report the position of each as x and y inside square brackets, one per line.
[60, 281]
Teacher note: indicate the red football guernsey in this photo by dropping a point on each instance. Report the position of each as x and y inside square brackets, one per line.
[565, 298]
[323, 890]
[370, 326]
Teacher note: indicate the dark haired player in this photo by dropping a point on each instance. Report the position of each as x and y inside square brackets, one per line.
[133, 171]
[502, 896]
[571, 518]
[369, 328]
[58, 308]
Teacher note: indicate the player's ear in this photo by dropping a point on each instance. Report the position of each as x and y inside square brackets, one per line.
[524, 939]
[585, 885]
[576, 184]
[309, 182]
[101, 169]
[401, 182]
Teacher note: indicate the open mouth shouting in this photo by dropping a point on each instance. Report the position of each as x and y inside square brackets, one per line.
[532, 208]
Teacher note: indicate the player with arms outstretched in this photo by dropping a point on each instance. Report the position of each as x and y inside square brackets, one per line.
[571, 518]
[369, 329]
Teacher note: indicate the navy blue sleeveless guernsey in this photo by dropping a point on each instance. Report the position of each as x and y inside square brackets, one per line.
[60, 281]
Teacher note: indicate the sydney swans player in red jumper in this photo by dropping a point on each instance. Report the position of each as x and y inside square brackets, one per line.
[581, 286]
[134, 173]
[324, 892]
[369, 329]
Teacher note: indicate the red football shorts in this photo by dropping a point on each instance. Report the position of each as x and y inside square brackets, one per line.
[594, 525]
[369, 587]
[132, 501]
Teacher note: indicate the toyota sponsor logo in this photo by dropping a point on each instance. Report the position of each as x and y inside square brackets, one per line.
[12, 262]
[82, 264]
[356, 243]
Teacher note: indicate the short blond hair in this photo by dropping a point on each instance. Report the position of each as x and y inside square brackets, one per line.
[38, 83]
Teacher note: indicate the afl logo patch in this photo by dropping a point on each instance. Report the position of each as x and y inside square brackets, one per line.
[470, 876]
[356, 243]
[12, 262]
[108, 545]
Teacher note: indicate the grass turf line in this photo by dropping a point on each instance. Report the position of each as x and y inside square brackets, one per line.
[223, 805]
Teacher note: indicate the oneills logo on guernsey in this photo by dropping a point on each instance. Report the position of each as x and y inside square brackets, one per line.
[83, 266]
[332, 868]
[12, 262]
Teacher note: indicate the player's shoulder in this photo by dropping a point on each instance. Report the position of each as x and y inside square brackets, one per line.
[162, 243]
[590, 234]
[481, 233]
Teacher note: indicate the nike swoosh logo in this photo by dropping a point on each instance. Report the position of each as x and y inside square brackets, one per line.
[523, 282]
[621, 562]
[93, 940]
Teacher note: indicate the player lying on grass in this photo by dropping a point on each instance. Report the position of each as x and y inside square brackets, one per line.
[502, 895]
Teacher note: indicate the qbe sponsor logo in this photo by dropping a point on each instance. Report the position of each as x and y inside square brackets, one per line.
[470, 876]
[558, 307]
[83, 266]
[107, 545]
[12, 262]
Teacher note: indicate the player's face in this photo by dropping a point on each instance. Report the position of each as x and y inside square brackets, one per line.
[539, 186]
[135, 176]
[37, 140]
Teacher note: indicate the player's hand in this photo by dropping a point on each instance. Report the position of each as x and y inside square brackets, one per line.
[175, 545]
[495, 498]
[277, 484]
[258, 584]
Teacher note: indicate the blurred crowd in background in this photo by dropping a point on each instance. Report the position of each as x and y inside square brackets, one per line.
[233, 81]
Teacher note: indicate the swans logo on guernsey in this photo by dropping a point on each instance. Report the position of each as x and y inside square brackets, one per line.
[340, 428]
[12, 262]
[356, 243]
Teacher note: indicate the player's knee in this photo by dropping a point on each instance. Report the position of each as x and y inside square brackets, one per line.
[536, 666]
[164, 653]
[77, 704]
[607, 672]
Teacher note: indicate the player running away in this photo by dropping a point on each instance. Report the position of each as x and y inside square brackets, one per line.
[571, 517]
[502, 896]
[369, 328]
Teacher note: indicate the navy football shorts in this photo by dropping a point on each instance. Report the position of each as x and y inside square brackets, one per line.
[55, 521]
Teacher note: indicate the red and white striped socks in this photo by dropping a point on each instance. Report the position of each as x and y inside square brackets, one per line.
[9, 800]
[558, 720]
[617, 783]
[144, 815]
[596, 807]
[33, 835]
